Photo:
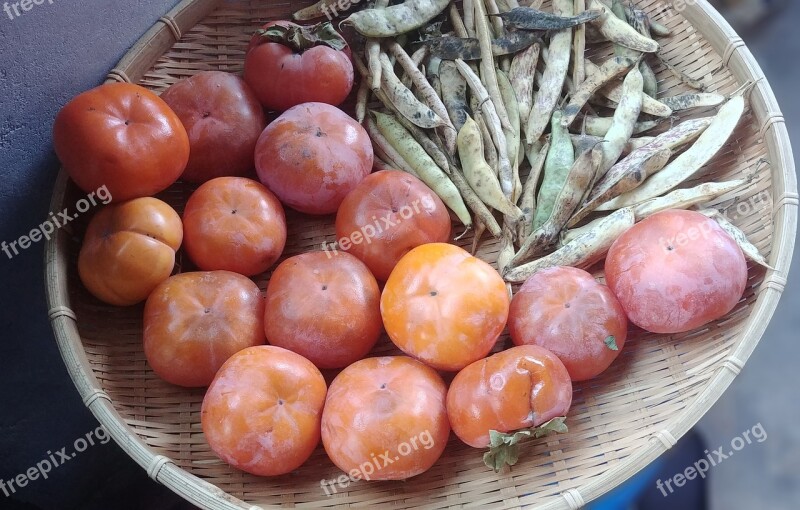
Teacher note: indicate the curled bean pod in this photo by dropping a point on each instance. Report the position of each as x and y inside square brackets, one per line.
[560, 158]
[553, 78]
[577, 184]
[690, 162]
[625, 117]
[583, 251]
[397, 19]
[618, 31]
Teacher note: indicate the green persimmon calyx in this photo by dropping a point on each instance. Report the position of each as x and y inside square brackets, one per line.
[300, 38]
[504, 446]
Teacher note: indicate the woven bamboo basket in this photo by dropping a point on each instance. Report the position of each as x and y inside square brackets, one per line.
[652, 395]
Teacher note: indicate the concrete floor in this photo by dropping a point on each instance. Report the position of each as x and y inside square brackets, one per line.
[765, 475]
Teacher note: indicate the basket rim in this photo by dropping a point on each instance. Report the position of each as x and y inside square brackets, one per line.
[736, 56]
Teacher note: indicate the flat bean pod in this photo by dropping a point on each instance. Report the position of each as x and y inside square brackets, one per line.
[362, 98]
[423, 165]
[397, 19]
[583, 142]
[527, 18]
[613, 92]
[527, 200]
[577, 184]
[611, 68]
[553, 78]
[512, 135]
[454, 93]
[481, 95]
[434, 151]
[469, 16]
[583, 251]
[599, 126]
[372, 49]
[623, 177]
[686, 197]
[749, 249]
[450, 48]
[457, 21]
[579, 47]
[475, 204]
[488, 75]
[385, 149]
[620, 32]
[690, 162]
[404, 100]
[625, 117]
[560, 159]
[638, 19]
[479, 174]
[428, 93]
[489, 150]
[521, 74]
[697, 100]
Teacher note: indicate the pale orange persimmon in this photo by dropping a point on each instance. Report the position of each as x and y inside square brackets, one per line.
[443, 306]
[262, 412]
[128, 249]
[195, 321]
[385, 418]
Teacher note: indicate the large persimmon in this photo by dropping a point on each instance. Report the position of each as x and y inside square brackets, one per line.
[567, 311]
[223, 119]
[385, 418]
[236, 224]
[121, 136]
[195, 321]
[520, 388]
[387, 215]
[262, 412]
[324, 306]
[676, 271]
[443, 306]
[312, 156]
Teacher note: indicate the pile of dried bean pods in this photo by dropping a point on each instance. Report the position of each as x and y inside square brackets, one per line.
[461, 96]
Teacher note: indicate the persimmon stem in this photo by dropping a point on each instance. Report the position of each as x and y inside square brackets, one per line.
[301, 38]
[504, 447]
